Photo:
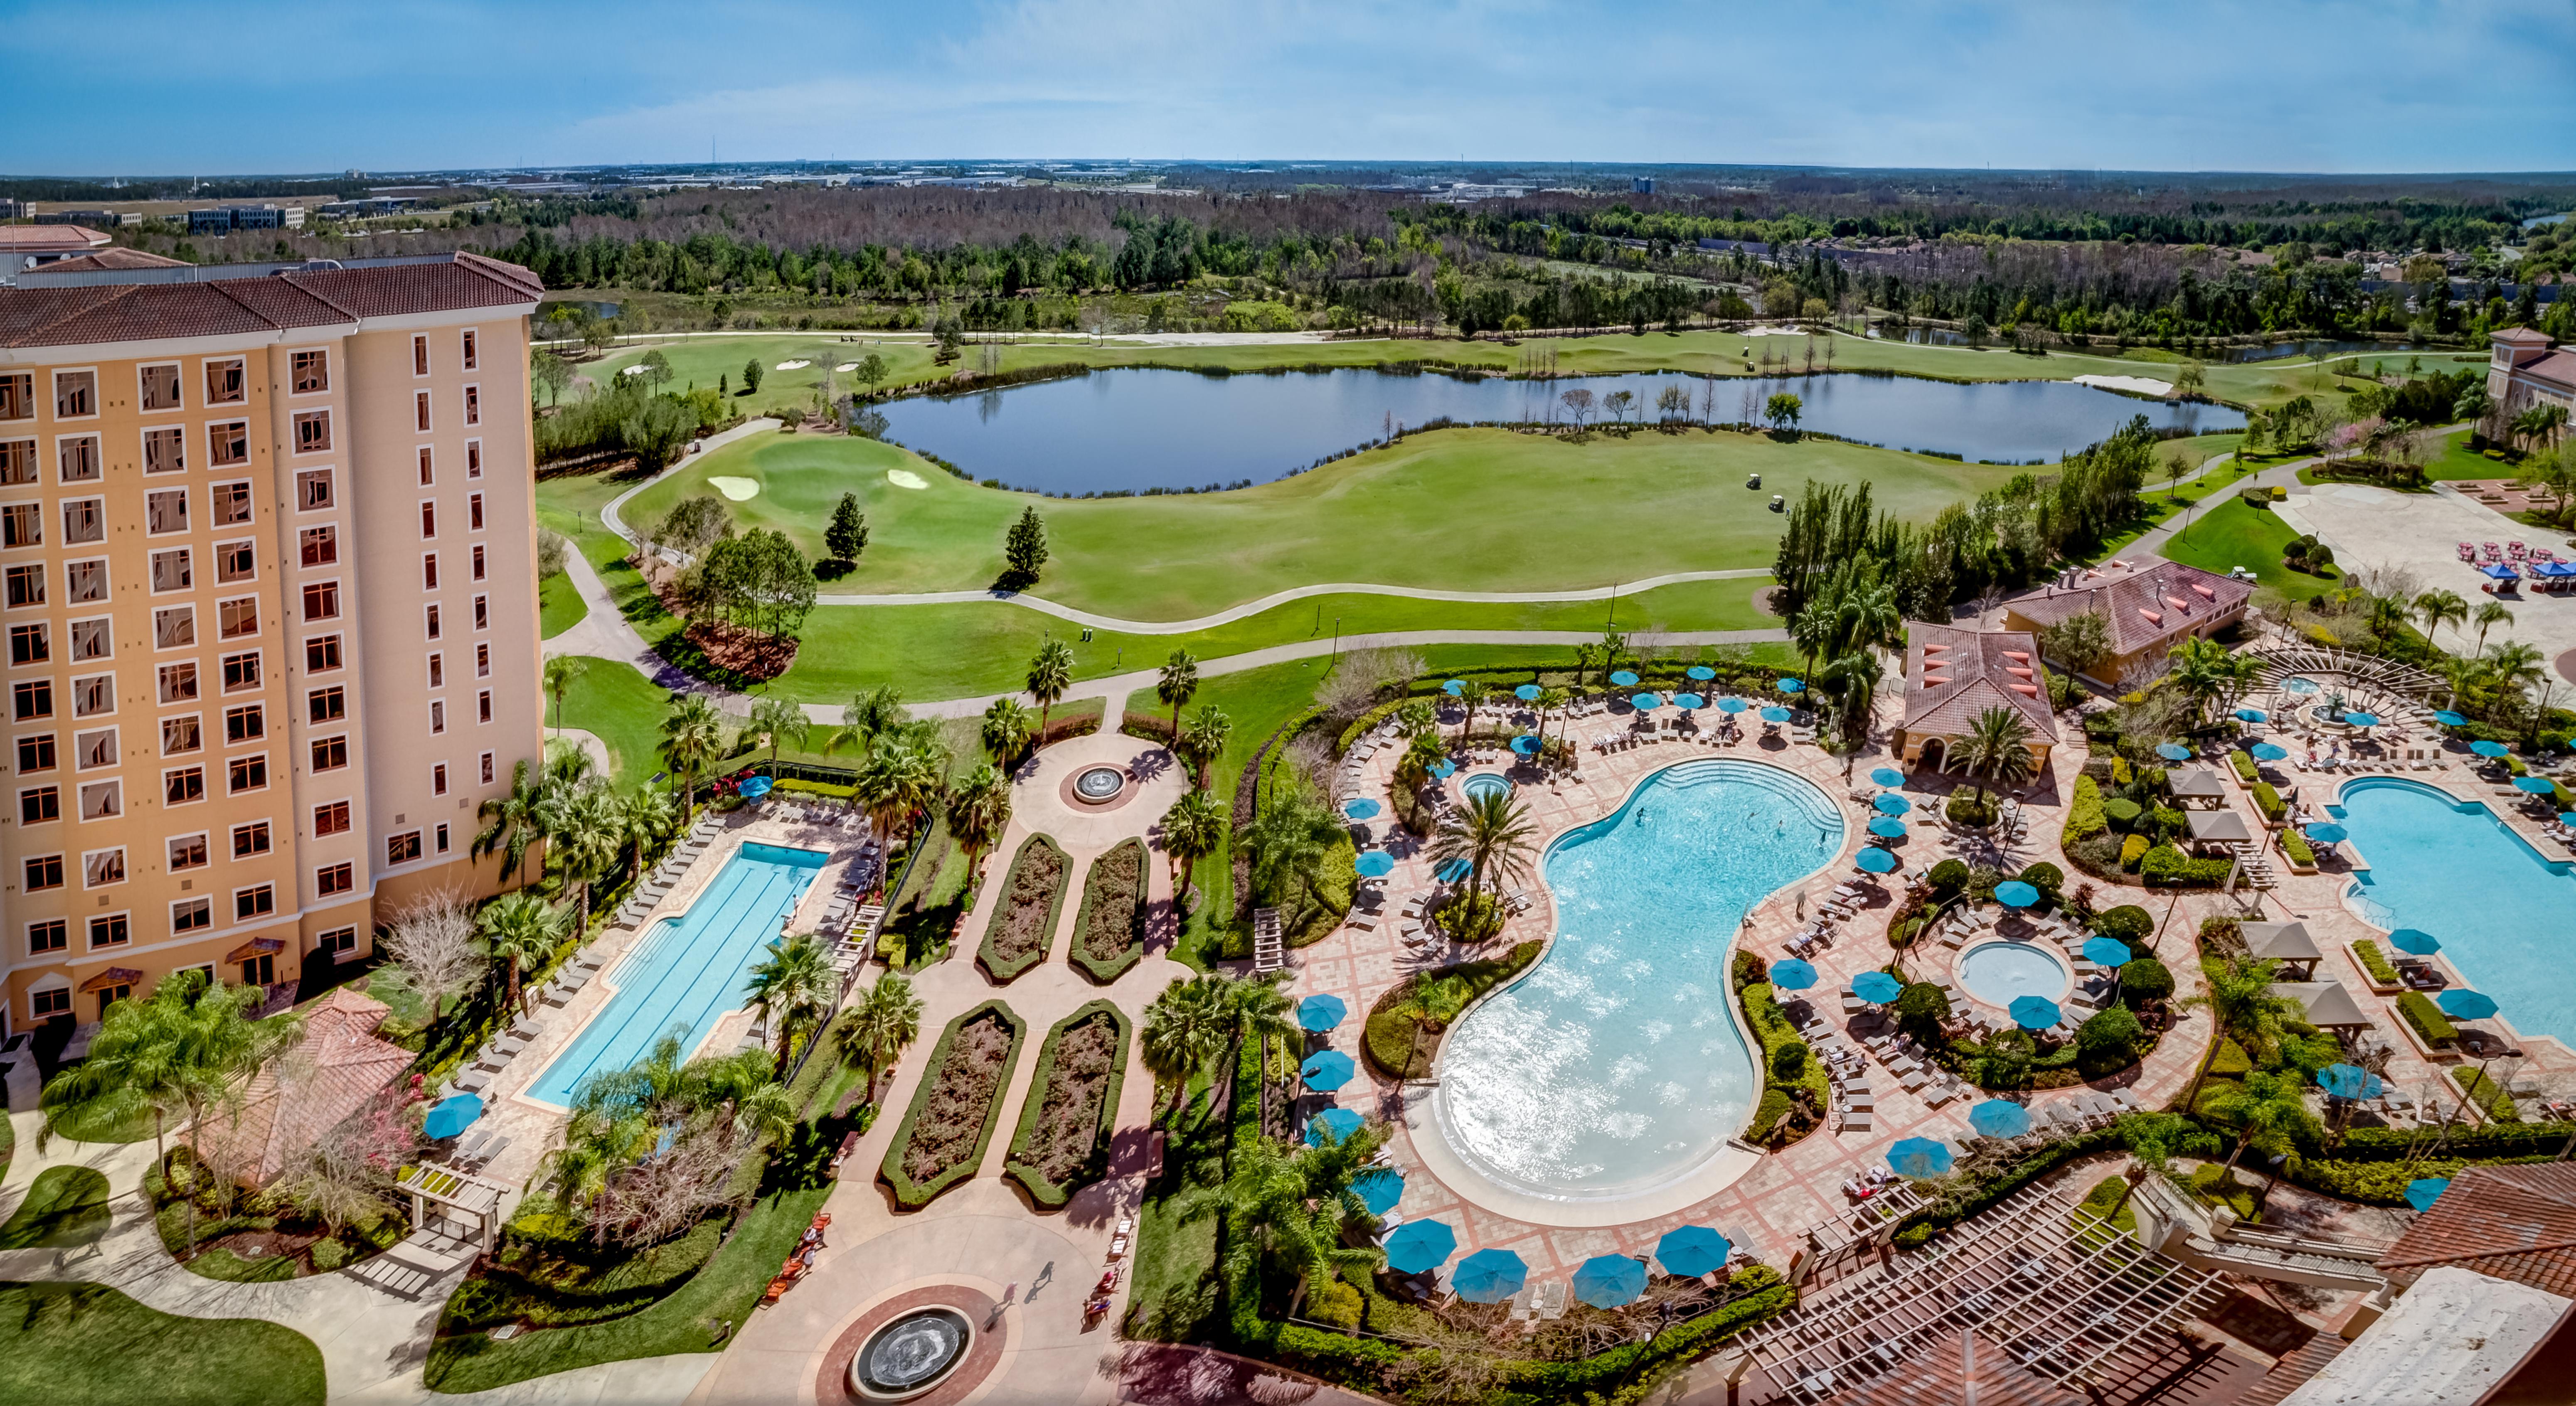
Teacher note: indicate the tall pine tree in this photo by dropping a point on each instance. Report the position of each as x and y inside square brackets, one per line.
[848, 534]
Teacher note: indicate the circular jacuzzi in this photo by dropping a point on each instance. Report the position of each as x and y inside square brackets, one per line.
[911, 1355]
[1099, 784]
[2300, 684]
[1485, 783]
[1998, 972]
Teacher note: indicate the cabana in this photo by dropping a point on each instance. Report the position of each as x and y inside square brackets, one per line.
[2326, 1004]
[2198, 787]
[2217, 827]
[2287, 944]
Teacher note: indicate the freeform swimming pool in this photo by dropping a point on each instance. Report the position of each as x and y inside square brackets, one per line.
[1996, 972]
[688, 971]
[1614, 1066]
[2455, 870]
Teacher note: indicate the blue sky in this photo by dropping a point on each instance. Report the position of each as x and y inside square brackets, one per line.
[2277, 85]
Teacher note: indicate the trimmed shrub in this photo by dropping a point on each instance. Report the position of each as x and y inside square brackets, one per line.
[1947, 878]
[2122, 811]
[1971, 808]
[2133, 850]
[2047, 878]
[1388, 1035]
[1109, 931]
[2295, 845]
[2084, 810]
[2490, 1097]
[2267, 799]
[1920, 1008]
[2427, 1018]
[2231, 1061]
[1062, 1144]
[2107, 1040]
[1016, 936]
[1762, 1012]
[2375, 962]
[2145, 979]
[2128, 922]
[2243, 763]
[950, 1123]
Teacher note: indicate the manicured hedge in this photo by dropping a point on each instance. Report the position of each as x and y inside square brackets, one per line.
[911, 1195]
[1387, 1035]
[2244, 765]
[1109, 932]
[2375, 962]
[2084, 810]
[2295, 845]
[1018, 1166]
[2427, 1018]
[2488, 1095]
[1023, 890]
[1772, 1028]
[2267, 799]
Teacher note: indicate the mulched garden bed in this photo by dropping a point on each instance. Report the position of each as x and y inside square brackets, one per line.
[943, 1137]
[1109, 935]
[1032, 894]
[1063, 1139]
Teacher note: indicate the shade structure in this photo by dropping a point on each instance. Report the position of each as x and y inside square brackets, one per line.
[1528, 692]
[2347, 1081]
[1609, 1281]
[2035, 1012]
[1920, 1157]
[1361, 808]
[1877, 861]
[2252, 715]
[2498, 571]
[1877, 988]
[2361, 719]
[1379, 1188]
[1793, 975]
[755, 788]
[2534, 785]
[1689, 700]
[1452, 870]
[1887, 776]
[1793, 685]
[2326, 834]
[2106, 951]
[1645, 702]
[451, 1116]
[1892, 804]
[1776, 715]
[2173, 751]
[1692, 1251]
[2422, 1192]
[1625, 678]
[1732, 705]
[1321, 1011]
[1999, 1117]
[2460, 1003]
[2414, 942]
[1454, 688]
[1420, 1245]
[1489, 1276]
[1887, 827]
[1335, 1123]
[2270, 752]
[1526, 745]
[2484, 748]
[1442, 769]
[2013, 893]
[1327, 1070]
[2447, 718]
[1376, 864]
[1700, 673]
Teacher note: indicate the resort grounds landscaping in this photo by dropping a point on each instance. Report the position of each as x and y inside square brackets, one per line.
[1109, 935]
[1069, 1119]
[950, 1123]
[1019, 934]
[85, 1345]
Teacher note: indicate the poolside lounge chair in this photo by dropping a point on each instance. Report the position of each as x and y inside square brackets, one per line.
[474, 1081]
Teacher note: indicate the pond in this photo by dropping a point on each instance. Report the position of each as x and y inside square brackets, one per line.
[1135, 429]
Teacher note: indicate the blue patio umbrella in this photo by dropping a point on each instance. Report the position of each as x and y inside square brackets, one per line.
[1321, 1012]
[1609, 1281]
[2447, 718]
[2013, 893]
[2460, 1003]
[1877, 861]
[1527, 693]
[1793, 975]
[1887, 776]
[1527, 745]
[2035, 1012]
[2534, 785]
[1999, 1117]
[1489, 1276]
[2270, 752]
[1442, 769]
[1732, 705]
[1339, 1123]
[2361, 719]
[1645, 702]
[2347, 1081]
[1379, 1188]
[1327, 1070]
[1376, 864]
[1689, 700]
[2173, 751]
[756, 787]
[1360, 808]
[451, 1116]
[2252, 715]
[1776, 715]
[2567, 817]
[1625, 678]
[1877, 988]
[2326, 834]
[1887, 827]
[1455, 688]
[1700, 673]
[1919, 1157]
[1692, 1251]
[1452, 870]
[2106, 951]
[2498, 571]
[2487, 749]
[1793, 685]
[1892, 804]
[2422, 1192]
[1420, 1245]
[2414, 942]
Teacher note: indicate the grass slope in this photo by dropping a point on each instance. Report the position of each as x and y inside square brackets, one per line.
[2236, 533]
[87, 1345]
[65, 1206]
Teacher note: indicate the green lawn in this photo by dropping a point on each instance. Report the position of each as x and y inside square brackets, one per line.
[2236, 533]
[625, 709]
[559, 605]
[87, 1345]
[66, 1206]
[2458, 461]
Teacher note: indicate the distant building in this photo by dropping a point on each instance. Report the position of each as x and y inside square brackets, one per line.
[32, 246]
[1641, 185]
[2528, 369]
[2150, 607]
[224, 219]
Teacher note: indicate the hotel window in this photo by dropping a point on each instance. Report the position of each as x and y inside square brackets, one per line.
[430, 621]
[100, 868]
[17, 461]
[320, 546]
[188, 852]
[178, 682]
[337, 941]
[332, 880]
[309, 372]
[94, 749]
[30, 644]
[75, 394]
[250, 839]
[18, 396]
[471, 360]
[482, 612]
[429, 571]
[473, 458]
[312, 490]
[420, 356]
[437, 670]
[482, 661]
[165, 451]
[90, 641]
[402, 848]
[102, 800]
[191, 915]
[36, 753]
[77, 458]
[313, 432]
[322, 600]
[174, 627]
[180, 736]
[326, 705]
[247, 723]
[330, 753]
[442, 837]
[40, 804]
[420, 410]
[247, 774]
[94, 697]
[165, 511]
[428, 472]
[44, 872]
[428, 520]
[256, 902]
[45, 1005]
[473, 512]
[321, 654]
[437, 716]
[478, 561]
[84, 520]
[160, 386]
[31, 698]
[225, 382]
[332, 819]
[483, 706]
[241, 671]
[22, 525]
[85, 582]
[173, 570]
[438, 778]
[109, 931]
[474, 405]
[237, 619]
[235, 561]
[228, 443]
[489, 764]
[184, 786]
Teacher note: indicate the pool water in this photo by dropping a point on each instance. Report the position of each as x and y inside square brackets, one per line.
[2455, 870]
[1485, 783]
[1614, 1067]
[1996, 972]
[2299, 684]
[688, 971]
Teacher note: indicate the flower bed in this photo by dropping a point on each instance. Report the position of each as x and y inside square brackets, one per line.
[1023, 924]
[950, 1123]
[1389, 1038]
[1109, 933]
[1063, 1140]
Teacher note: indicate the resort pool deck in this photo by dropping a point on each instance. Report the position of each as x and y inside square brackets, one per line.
[2454, 869]
[1615, 1066]
[686, 972]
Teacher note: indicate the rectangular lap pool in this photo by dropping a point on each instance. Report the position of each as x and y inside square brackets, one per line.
[684, 974]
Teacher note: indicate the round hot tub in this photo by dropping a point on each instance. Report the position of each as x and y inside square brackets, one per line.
[910, 1355]
[1099, 784]
[1997, 972]
[1485, 783]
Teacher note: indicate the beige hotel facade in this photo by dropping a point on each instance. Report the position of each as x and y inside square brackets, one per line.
[268, 551]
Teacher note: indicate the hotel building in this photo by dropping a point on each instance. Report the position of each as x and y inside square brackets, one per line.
[268, 551]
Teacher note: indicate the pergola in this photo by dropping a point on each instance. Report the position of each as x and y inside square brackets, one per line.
[457, 1192]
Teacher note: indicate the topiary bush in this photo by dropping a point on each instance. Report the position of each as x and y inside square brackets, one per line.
[2108, 1040]
[2295, 845]
[1920, 1008]
[2121, 811]
[2243, 763]
[2084, 810]
[1970, 808]
[2133, 851]
[2128, 922]
[2145, 979]
[2267, 799]
[1947, 878]
[2427, 1018]
[2375, 962]
[2048, 879]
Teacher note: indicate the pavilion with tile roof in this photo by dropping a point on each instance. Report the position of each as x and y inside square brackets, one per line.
[305, 1093]
[1952, 676]
[2149, 607]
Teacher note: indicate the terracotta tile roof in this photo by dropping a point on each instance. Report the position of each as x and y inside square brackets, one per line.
[1952, 675]
[308, 1091]
[38, 316]
[41, 239]
[2154, 603]
[2558, 368]
[113, 976]
[113, 260]
[2515, 1222]
[2518, 336]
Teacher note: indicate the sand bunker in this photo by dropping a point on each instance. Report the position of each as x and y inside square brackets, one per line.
[2140, 384]
[1777, 332]
[736, 489]
[905, 478]
[634, 371]
[793, 365]
[847, 366]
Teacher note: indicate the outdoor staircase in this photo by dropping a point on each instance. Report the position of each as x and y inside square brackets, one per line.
[408, 1270]
[2255, 869]
[1269, 948]
[2214, 1240]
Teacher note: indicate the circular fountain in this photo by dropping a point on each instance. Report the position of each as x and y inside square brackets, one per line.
[911, 1354]
[1099, 785]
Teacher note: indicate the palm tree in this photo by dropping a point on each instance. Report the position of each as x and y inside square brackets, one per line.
[870, 715]
[779, 721]
[644, 819]
[979, 810]
[1417, 718]
[1006, 733]
[1494, 835]
[1204, 741]
[1288, 842]
[1996, 749]
[903, 776]
[2268, 1110]
[1257, 1009]
[1050, 674]
[1177, 683]
[1851, 683]
[1413, 769]
[1474, 696]
[1298, 1199]
[137, 1064]
[2489, 615]
[562, 672]
[2210, 673]
[885, 1020]
[791, 988]
[511, 819]
[1193, 829]
[585, 835]
[521, 931]
[2242, 1007]
[692, 741]
[2438, 608]
[1551, 700]
[1185, 1027]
